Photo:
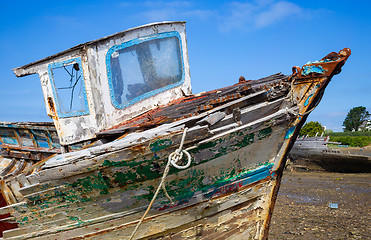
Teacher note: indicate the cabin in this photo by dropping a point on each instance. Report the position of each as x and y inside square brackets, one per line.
[97, 85]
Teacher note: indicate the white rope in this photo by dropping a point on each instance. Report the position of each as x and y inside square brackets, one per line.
[173, 158]
[178, 154]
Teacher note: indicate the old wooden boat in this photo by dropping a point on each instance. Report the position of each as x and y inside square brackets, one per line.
[132, 153]
[314, 154]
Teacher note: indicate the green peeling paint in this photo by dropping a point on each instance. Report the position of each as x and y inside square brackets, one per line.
[93, 182]
[160, 145]
[130, 175]
[139, 171]
[76, 219]
[73, 218]
[264, 133]
[144, 170]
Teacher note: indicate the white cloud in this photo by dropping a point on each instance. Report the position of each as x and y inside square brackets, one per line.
[202, 14]
[173, 10]
[174, 14]
[234, 15]
[277, 12]
[166, 4]
[258, 14]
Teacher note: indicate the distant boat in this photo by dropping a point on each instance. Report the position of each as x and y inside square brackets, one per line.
[313, 153]
[133, 154]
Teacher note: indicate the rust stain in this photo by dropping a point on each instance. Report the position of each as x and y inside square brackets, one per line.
[138, 148]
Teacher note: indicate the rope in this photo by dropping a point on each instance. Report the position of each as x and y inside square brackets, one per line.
[178, 154]
[173, 158]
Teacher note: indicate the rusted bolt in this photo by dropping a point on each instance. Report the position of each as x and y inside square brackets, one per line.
[241, 80]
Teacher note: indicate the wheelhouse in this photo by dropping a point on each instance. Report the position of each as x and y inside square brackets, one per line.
[97, 85]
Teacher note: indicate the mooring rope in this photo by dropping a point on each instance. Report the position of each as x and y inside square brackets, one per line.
[173, 159]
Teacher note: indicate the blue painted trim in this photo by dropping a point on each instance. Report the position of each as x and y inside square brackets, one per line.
[265, 169]
[61, 64]
[10, 141]
[307, 101]
[9, 136]
[50, 141]
[136, 42]
[41, 143]
[248, 178]
[290, 132]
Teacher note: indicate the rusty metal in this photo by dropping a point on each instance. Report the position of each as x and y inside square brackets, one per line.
[241, 80]
[331, 64]
[295, 70]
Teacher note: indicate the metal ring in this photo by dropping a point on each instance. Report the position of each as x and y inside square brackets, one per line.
[174, 161]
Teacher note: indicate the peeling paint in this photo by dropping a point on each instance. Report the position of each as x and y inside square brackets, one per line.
[307, 100]
[312, 69]
[160, 145]
[290, 132]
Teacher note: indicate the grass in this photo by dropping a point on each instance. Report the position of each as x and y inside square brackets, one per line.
[353, 139]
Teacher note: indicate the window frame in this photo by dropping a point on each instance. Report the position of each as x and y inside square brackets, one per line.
[52, 66]
[136, 42]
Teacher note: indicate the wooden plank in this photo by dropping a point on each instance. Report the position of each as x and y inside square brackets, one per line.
[173, 219]
[195, 104]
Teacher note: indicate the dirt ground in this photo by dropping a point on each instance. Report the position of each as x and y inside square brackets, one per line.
[302, 209]
[356, 150]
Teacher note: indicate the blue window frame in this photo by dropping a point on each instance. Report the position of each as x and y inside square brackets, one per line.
[144, 67]
[68, 85]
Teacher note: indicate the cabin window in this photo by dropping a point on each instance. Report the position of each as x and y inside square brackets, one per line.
[69, 88]
[144, 67]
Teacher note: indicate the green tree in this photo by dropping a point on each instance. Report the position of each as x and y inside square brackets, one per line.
[355, 118]
[311, 129]
[328, 131]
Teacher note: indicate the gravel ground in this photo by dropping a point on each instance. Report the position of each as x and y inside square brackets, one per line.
[302, 209]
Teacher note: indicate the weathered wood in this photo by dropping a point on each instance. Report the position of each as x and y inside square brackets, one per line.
[95, 211]
[194, 105]
[136, 141]
[114, 156]
[99, 224]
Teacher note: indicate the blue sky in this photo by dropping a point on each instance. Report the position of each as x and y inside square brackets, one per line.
[226, 39]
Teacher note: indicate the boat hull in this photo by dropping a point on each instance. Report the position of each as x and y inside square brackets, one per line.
[313, 154]
[237, 138]
[230, 173]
